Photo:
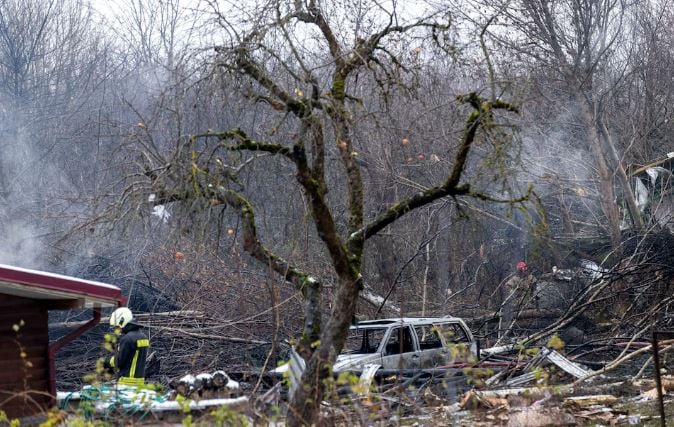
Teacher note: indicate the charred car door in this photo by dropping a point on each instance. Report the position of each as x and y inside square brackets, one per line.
[401, 351]
[456, 341]
[432, 350]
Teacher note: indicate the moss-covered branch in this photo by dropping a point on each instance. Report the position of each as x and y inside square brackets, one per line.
[244, 142]
[308, 285]
[482, 115]
[244, 64]
[489, 198]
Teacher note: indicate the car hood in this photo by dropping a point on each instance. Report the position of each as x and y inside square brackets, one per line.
[344, 362]
[350, 361]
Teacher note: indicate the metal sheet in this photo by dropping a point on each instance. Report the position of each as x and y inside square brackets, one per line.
[565, 364]
[367, 376]
[297, 365]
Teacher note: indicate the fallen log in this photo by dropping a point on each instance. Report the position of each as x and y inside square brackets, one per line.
[585, 401]
[528, 314]
[528, 391]
[613, 365]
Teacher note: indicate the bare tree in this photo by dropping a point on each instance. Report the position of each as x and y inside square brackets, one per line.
[304, 62]
[577, 43]
[52, 62]
[156, 32]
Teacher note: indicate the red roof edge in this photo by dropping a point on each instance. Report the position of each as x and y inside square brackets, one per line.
[57, 282]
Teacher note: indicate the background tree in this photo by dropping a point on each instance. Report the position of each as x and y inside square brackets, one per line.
[330, 144]
[579, 46]
[53, 63]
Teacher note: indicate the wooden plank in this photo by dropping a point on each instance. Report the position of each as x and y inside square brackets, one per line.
[7, 352]
[6, 299]
[37, 362]
[17, 377]
[31, 338]
[18, 314]
[585, 401]
[65, 304]
[521, 380]
[10, 342]
[20, 406]
[27, 329]
[32, 323]
[33, 384]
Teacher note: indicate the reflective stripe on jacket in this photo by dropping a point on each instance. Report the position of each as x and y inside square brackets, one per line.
[129, 360]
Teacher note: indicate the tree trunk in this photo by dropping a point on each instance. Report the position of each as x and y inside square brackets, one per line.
[443, 254]
[628, 193]
[606, 193]
[313, 305]
[304, 408]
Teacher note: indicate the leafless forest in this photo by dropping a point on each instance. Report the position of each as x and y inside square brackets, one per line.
[275, 169]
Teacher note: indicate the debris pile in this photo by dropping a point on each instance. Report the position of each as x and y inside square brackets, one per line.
[214, 385]
[532, 387]
[535, 370]
[199, 394]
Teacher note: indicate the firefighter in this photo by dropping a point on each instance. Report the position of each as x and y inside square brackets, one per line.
[128, 362]
[520, 294]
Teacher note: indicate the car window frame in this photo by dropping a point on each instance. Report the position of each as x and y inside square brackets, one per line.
[413, 336]
[363, 329]
[430, 325]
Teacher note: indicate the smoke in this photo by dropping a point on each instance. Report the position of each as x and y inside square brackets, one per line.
[556, 159]
[29, 186]
[20, 245]
[554, 152]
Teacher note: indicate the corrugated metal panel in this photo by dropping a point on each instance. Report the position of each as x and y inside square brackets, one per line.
[22, 374]
[565, 364]
[297, 367]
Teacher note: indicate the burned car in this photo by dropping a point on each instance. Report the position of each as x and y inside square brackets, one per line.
[407, 343]
[402, 343]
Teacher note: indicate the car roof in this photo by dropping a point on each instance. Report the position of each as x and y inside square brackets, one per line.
[406, 321]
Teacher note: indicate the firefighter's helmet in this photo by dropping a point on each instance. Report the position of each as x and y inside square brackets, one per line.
[121, 317]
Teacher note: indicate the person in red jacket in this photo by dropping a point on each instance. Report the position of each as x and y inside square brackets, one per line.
[128, 362]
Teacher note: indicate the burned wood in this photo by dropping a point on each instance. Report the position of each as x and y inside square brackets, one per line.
[205, 386]
[618, 362]
[585, 401]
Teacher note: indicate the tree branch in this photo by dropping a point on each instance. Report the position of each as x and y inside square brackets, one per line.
[246, 143]
[482, 115]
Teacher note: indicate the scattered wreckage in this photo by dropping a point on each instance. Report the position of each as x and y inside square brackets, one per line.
[508, 382]
[415, 367]
[199, 393]
[440, 351]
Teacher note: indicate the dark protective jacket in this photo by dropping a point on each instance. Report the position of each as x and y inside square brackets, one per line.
[129, 359]
[521, 294]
